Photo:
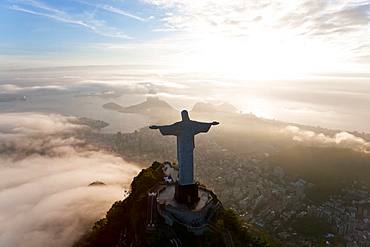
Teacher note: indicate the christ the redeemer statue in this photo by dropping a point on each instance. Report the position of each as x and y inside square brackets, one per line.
[185, 130]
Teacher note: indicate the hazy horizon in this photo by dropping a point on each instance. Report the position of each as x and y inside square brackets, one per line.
[330, 103]
[305, 62]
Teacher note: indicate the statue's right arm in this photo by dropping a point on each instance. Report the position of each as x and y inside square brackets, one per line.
[166, 129]
[154, 127]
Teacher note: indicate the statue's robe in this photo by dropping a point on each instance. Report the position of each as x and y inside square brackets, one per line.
[185, 131]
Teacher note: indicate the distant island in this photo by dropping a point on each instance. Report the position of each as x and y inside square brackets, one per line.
[92, 123]
[151, 106]
[113, 106]
[97, 183]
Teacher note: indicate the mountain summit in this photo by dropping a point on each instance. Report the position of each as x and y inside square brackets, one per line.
[168, 208]
[135, 221]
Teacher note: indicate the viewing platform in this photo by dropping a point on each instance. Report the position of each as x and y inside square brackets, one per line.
[195, 218]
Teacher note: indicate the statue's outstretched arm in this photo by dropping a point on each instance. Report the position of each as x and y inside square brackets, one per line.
[166, 129]
[158, 126]
[203, 127]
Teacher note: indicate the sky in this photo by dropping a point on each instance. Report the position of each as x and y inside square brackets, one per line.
[313, 57]
[244, 39]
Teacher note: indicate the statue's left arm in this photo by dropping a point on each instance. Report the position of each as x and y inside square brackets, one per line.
[200, 127]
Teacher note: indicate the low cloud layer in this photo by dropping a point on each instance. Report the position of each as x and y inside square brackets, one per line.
[44, 195]
[341, 139]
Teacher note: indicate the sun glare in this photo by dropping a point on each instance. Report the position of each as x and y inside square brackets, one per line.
[258, 107]
[262, 56]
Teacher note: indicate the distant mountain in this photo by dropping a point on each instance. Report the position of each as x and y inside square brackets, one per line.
[151, 106]
[209, 107]
[113, 106]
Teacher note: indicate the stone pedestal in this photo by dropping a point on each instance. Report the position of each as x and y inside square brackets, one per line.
[187, 194]
[196, 218]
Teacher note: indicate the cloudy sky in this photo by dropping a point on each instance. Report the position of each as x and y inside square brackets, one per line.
[247, 39]
[303, 61]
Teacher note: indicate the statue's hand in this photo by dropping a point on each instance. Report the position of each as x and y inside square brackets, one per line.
[153, 127]
[215, 123]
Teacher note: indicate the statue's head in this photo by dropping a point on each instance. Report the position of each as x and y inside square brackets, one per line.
[185, 115]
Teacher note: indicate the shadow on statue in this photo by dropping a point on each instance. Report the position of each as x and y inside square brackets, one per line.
[187, 194]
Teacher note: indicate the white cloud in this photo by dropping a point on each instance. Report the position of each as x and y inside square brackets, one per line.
[303, 32]
[25, 124]
[341, 139]
[41, 9]
[285, 38]
[44, 176]
[52, 16]
[46, 201]
[115, 10]
[245, 15]
[118, 11]
[40, 5]
[12, 88]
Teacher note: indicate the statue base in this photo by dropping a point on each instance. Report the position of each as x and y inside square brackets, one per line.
[187, 194]
[197, 217]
